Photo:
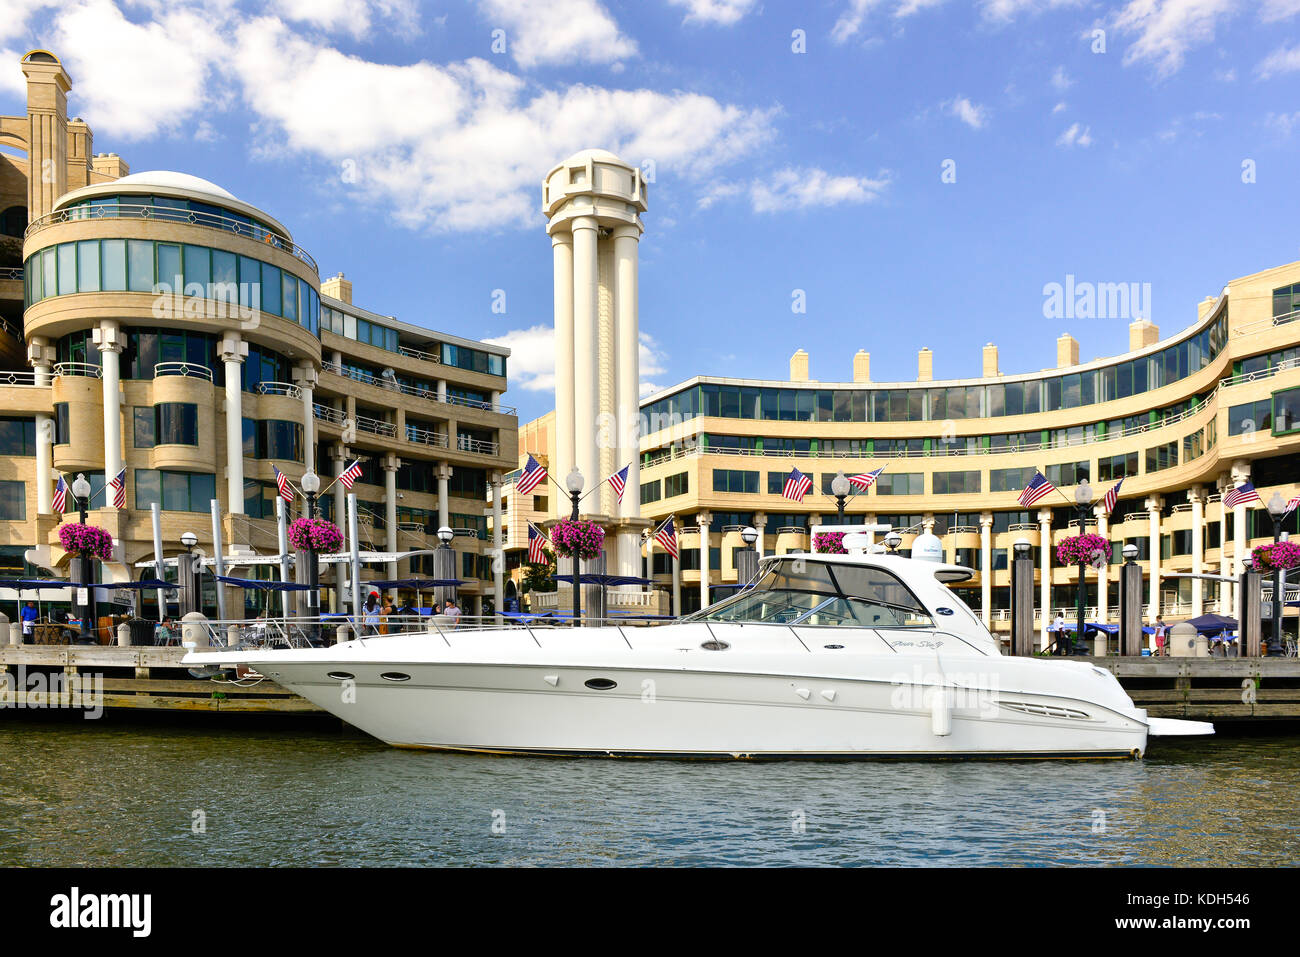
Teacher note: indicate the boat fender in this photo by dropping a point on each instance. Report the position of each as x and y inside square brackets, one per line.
[940, 712]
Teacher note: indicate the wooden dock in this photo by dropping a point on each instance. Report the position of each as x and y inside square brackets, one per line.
[153, 679]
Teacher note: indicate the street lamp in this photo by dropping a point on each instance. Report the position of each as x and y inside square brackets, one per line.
[840, 488]
[445, 535]
[1022, 547]
[81, 492]
[1082, 501]
[1130, 553]
[749, 535]
[893, 540]
[574, 482]
[1277, 509]
[747, 557]
[310, 486]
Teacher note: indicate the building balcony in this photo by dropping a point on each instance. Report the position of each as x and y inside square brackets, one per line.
[204, 220]
[417, 392]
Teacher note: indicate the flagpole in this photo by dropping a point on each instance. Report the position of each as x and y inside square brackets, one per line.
[282, 540]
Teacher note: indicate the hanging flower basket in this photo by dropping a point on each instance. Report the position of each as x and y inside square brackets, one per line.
[78, 539]
[315, 533]
[1276, 555]
[829, 543]
[586, 540]
[1090, 549]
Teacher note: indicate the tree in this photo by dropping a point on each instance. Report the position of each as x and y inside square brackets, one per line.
[540, 578]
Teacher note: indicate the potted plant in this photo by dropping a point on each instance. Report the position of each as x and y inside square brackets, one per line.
[1276, 556]
[315, 534]
[86, 541]
[580, 539]
[829, 543]
[1090, 549]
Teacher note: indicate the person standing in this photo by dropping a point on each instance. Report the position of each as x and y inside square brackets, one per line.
[29, 616]
[1162, 636]
[452, 612]
[370, 615]
[1058, 626]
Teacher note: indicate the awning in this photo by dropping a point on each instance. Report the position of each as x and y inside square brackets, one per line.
[259, 585]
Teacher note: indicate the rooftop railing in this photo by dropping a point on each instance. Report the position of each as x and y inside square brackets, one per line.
[419, 392]
[164, 214]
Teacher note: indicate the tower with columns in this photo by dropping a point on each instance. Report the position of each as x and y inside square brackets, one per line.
[593, 202]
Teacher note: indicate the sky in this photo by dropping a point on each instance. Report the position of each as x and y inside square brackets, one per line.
[831, 175]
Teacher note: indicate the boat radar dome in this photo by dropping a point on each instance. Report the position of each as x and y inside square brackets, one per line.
[927, 548]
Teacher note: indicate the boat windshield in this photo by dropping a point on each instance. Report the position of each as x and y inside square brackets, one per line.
[802, 592]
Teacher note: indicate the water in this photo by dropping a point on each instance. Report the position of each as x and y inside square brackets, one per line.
[93, 793]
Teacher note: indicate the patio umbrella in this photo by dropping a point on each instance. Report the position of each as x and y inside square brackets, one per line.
[33, 584]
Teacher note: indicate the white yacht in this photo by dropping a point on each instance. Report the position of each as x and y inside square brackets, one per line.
[860, 655]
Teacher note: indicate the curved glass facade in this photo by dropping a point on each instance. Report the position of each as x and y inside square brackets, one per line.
[169, 209]
[238, 284]
[938, 403]
[145, 349]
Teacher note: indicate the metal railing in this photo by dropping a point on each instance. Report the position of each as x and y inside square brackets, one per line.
[187, 369]
[418, 392]
[11, 272]
[419, 354]
[19, 377]
[376, 426]
[88, 370]
[1250, 328]
[164, 214]
[327, 414]
[478, 446]
[280, 388]
[426, 437]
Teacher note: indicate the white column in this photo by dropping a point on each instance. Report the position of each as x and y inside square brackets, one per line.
[1197, 497]
[1045, 573]
[1153, 551]
[341, 461]
[498, 549]
[41, 352]
[1103, 573]
[305, 377]
[986, 570]
[233, 353]
[390, 465]
[1227, 590]
[586, 345]
[760, 526]
[703, 519]
[108, 341]
[627, 387]
[562, 254]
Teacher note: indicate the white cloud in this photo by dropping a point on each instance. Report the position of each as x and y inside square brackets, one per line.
[351, 16]
[1059, 108]
[1286, 123]
[653, 361]
[1076, 135]
[850, 21]
[1274, 10]
[1167, 29]
[542, 32]
[14, 15]
[532, 357]
[1061, 80]
[963, 109]
[463, 146]
[1281, 60]
[1005, 10]
[719, 12]
[800, 188]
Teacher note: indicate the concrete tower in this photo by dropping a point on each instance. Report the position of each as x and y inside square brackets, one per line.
[593, 201]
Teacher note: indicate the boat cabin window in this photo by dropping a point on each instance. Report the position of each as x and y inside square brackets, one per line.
[802, 592]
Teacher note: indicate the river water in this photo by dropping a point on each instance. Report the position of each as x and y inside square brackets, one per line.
[98, 793]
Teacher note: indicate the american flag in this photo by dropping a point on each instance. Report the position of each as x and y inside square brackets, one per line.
[533, 475]
[866, 479]
[60, 496]
[1243, 493]
[619, 481]
[1037, 489]
[536, 542]
[118, 485]
[1112, 498]
[351, 474]
[796, 486]
[666, 535]
[1291, 505]
[282, 483]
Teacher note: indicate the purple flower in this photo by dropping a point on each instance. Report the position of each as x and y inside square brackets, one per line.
[1091, 549]
[78, 539]
[830, 543]
[315, 533]
[584, 539]
[1276, 555]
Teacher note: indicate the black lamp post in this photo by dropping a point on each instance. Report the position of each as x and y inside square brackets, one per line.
[840, 488]
[1276, 509]
[81, 491]
[310, 486]
[574, 482]
[1083, 500]
[445, 560]
[189, 540]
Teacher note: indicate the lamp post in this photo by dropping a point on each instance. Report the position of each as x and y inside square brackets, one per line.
[189, 540]
[310, 486]
[445, 561]
[81, 492]
[1276, 509]
[1082, 501]
[574, 482]
[1022, 598]
[747, 558]
[1130, 602]
[840, 488]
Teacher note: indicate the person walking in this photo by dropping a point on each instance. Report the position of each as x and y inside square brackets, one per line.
[1058, 626]
[370, 615]
[1162, 636]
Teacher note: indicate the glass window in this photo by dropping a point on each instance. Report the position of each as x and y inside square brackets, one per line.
[901, 483]
[250, 283]
[148, 488]
[61, 436]
[953, 483]
[67, 268]
[169, 267]
[13, 501]
[225, 276]
[271, 288]
[198, 267]
[176, 492]
[176, 423]
[290, 298]
[140, 275]
[17, 436]
[50, 268]
[114, 253]
[88, 266]
[143, 419]
[1286, 411]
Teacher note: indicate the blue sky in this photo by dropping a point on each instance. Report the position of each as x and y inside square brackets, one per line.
[1148, 141]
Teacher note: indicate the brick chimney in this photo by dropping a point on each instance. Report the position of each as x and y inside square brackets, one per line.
[990, 360]
[924, 365]
[799, 366]
[336, 287]
[1142, 333]
[1067, 351]
[862, 366]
